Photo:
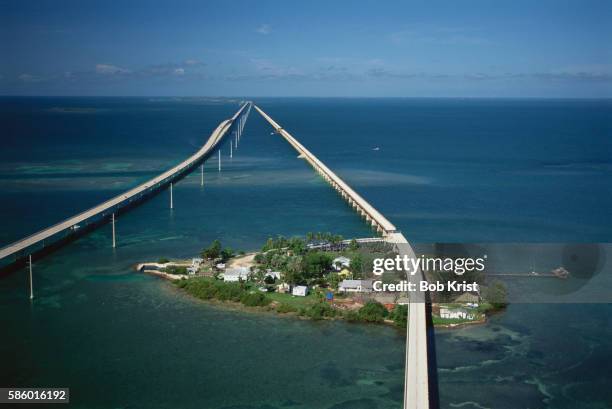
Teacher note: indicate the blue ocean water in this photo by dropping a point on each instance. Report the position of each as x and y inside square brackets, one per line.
[444, 170]
[469, 170]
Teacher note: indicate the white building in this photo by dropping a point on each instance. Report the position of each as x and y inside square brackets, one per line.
[274, 274]
[341, 262]
[300, 290]
[283, 288]
[355, 286]
[236, 274]
[456, 313]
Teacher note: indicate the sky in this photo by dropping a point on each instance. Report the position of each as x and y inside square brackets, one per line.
[515, 48]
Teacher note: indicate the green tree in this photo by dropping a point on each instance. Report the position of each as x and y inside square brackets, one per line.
[357, 266]
[319, 310]
[373, 311]
[496, 295]
[399, 315]
[213, 251]
[269, 245]
[353, 245]
[254, 299]
[334, 279]
[297, 245]
[315, 263]
[226, 253]
[293, 270]
[259, 275]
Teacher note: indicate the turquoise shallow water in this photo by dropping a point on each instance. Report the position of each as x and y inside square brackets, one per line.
[523, 172]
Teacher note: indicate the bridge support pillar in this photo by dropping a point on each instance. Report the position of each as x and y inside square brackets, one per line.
[219, 160]
[31, 282]
[171, 198]
[231, 151]
[202, 175]
[113, 224]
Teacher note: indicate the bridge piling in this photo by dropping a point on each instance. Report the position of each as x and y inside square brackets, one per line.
[219, 160]
[171, 198]
[202, 175]
[31, 283]
[113, 224]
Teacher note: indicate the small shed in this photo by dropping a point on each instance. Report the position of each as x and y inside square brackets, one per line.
[300, 291]
[355, 286]
[283, 288]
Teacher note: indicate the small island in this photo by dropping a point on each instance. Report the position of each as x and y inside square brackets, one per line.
[319, 276]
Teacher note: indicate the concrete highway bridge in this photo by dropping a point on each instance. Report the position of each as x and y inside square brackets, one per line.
[420, 391]
[37, 244]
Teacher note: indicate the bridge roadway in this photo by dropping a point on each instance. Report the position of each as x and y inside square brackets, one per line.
[125, 198]
[417, 380]
[372, 215]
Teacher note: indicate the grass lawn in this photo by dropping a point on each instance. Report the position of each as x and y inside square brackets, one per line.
[292, 300]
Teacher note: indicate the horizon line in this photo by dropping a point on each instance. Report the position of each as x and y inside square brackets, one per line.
[308, 96]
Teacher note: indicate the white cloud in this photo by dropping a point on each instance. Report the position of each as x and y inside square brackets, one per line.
[264, 29]
[179, 71]
[108, 69]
